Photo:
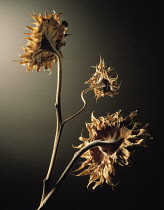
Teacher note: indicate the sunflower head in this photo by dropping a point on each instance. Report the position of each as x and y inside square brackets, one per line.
[45, 38]
[105, 84]
[128, 136]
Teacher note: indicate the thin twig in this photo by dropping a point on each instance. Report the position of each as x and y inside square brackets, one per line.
[84, 101]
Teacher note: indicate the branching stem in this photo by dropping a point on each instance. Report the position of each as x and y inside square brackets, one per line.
[76, 156]
[48, 182]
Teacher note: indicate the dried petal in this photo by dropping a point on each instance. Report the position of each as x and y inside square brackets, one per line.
[101, 161]
[46, 36]
[103, 81]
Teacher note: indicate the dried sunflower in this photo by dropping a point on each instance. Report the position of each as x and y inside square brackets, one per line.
[128, 136]
[44, 38]
[103, 81]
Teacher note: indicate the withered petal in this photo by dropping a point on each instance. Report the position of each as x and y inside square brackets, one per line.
[101, 161]
[50, 26]
[84, 173]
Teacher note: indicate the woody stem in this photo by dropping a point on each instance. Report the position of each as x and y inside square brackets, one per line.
[47, 182]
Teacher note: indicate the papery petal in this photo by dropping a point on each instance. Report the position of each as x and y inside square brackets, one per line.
[127, 139]
[46, 36]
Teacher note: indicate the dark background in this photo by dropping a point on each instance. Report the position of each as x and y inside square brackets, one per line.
[128, 36]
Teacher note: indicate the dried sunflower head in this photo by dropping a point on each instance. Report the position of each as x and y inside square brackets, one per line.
[44, 38]
[105, 84]
[100, 162]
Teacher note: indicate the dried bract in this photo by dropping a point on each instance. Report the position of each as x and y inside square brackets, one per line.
[105, 84]
[128, 136]
[44, 38]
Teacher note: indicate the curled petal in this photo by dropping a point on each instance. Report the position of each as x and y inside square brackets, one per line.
[103, 82]
[127, 139]
[44, 40]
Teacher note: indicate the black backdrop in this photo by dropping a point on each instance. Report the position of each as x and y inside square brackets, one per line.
[127, 34]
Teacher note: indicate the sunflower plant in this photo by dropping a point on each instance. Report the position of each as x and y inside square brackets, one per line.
[112, 140]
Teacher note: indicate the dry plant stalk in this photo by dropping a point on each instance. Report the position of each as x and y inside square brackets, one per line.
[112, 139]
